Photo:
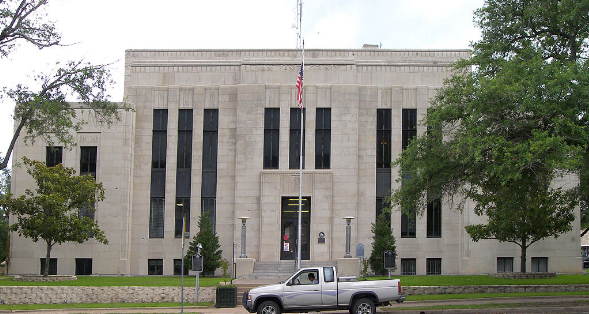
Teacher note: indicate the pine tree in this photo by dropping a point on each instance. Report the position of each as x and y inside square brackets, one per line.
[382, 241]
[208, 239]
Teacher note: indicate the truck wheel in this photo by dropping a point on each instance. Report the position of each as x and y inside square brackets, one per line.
[363, 306]
[268, 307]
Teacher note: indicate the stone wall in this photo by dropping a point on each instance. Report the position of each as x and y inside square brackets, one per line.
[47, 295]
[63, 294]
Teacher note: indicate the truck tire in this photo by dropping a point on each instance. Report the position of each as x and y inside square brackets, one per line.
[268, 307]
[363, 306]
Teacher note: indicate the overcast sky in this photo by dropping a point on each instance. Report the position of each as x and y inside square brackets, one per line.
[101, 31]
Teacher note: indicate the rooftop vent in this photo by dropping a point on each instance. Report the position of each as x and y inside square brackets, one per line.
[370, 46]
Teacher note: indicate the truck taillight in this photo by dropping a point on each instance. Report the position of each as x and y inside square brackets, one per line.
[400, 287]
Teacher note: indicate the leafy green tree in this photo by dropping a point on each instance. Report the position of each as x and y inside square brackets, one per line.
[42, 111]
[509, 128]
[382, 241]
[4, 232]
[52, 212]
[208, 239]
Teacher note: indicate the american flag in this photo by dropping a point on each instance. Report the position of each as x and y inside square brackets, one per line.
[300, 88]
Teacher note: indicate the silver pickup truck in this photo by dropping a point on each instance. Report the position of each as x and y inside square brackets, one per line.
[318, 289]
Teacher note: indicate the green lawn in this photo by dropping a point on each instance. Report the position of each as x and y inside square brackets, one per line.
[487, 280]
[106, 281]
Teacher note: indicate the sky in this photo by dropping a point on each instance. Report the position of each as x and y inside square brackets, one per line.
[101, 31]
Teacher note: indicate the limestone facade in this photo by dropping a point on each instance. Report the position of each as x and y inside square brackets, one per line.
[240, 85]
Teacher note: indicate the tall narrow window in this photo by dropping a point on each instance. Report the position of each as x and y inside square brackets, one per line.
[383, 138]
[409, 131]
[295, 139]
[434, 219]
[409, 126]
[182, 218]
[183, 173]
[209, 163]
[88, 156]
[383, 159]
[158, 173]
[53, 156]
[271, 132]
[323, 139]
[156, 218]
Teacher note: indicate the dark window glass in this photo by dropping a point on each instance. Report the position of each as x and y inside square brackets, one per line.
[433, 266]
[52, 266]
[271, 140]
[210, 142]
[160, 134]
[383, 138]
[409, 126]
[178, 267]
[156, 218]
[86, 212]
[208, 206]
[505, 264]
[408, 228]
[539, 264]
[158, 148]
[295, 139]
[88, 156]
[83, 266]
[380, 207]
[155, 267]
[408, 266]
[53, 156]
[434, 219]
[323, 139]
[184, 149]
[182, 210]
[185, 119]
[160, 119]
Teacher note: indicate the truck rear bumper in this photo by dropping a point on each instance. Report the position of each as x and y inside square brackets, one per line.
[401, 299]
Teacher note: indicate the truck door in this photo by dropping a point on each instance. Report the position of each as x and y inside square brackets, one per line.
[329, 288]
[304, 290]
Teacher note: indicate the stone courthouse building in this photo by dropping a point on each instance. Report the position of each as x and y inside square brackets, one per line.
[218, 131]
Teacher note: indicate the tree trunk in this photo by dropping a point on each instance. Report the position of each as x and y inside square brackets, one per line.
[47, 259]
[523, 258]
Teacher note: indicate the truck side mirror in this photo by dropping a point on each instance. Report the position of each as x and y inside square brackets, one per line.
[289, 283]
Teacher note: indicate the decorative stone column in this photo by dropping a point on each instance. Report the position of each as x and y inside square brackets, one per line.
[348, 235]
[243, 236]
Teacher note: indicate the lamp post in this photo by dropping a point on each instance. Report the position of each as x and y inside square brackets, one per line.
[181, 205]
[243, 236]
[348, 220]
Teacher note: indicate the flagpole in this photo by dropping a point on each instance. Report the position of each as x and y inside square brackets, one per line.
[301, 168]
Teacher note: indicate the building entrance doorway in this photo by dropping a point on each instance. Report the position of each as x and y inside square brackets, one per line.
[289, 228]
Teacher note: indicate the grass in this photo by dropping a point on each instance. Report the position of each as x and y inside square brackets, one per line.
[106, 281]
[29, 307]
[485, 280]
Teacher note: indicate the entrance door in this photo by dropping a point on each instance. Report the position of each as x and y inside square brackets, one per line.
[289, 228]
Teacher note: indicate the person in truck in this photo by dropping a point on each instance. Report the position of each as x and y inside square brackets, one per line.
[312, 278]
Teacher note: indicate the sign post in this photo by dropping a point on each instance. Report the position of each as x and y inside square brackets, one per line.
[197, 266]
[389, 261]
